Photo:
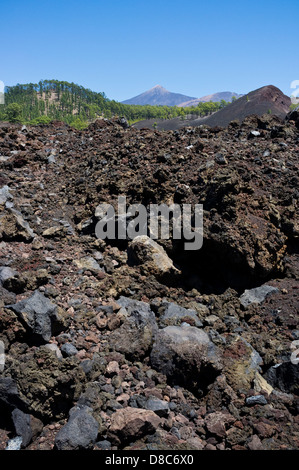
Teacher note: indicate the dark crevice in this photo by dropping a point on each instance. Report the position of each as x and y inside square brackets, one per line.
[197, 382]
[5, 418]
[214, 268]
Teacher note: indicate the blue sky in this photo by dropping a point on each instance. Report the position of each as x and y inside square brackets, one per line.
[125, 47]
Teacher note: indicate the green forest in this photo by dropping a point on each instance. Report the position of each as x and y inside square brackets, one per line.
[51, 100]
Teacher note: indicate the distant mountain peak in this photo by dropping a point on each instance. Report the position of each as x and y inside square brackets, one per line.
[158, 89]
[158, 96]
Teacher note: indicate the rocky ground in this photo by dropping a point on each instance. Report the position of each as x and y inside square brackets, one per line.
[138, 345]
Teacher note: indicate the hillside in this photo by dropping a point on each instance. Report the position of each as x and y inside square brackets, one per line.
[268, 99]
[265, 100]
[54, 100]
[77, 106]
[158, 96]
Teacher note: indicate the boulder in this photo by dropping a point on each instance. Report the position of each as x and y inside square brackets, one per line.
[160, 407]
[175, 314]
[255, 443]
[241, 363]
[9, 394]
[153, 258]
[135, 335]
[257, 295]
[88, 263]
[112, 368]
[294, 116]
[187, 356]
[104, 445]
[43, 385]
[129, 424]
[13, 227]
[284, 376]
[68, 350]
[6, 273]
[14, 444]
[80, 432]
[54, 232]
[123, 122]
[54, 349]
[22, 426]
[38, 314]
[256, 400]
[260, 384]
[6, 297]
[4, 195]
[27, 280]
[216, 423]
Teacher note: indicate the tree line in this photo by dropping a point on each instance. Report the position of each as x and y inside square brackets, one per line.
[50, 100]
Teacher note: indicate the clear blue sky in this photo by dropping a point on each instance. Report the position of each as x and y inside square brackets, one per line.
[125, 47]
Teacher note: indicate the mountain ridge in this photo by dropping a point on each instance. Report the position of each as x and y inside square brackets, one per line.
[215, 97]
[158, 95]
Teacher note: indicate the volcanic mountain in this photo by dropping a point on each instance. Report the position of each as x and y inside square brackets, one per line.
[159, 96]
[268, 99]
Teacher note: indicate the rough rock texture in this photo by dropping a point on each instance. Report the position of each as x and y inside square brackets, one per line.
[160, 407]
[14, 227]
[152, 257]
[41, 383]
[80, 432]
[216, 423]
[131, 423]
[88, 263]
[38, 313]
[187, 356]
[294, 116]
[9, 394]
[174, 314]
[6, 273]
[137, 330]
[285, 377]
[4, 195]
[22, 424]
[257, 295]
[165, 362]
[242, 363]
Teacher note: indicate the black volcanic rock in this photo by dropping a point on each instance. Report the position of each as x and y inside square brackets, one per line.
[80, 432]
[38, 313]
[294, 116]
[211, 353]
